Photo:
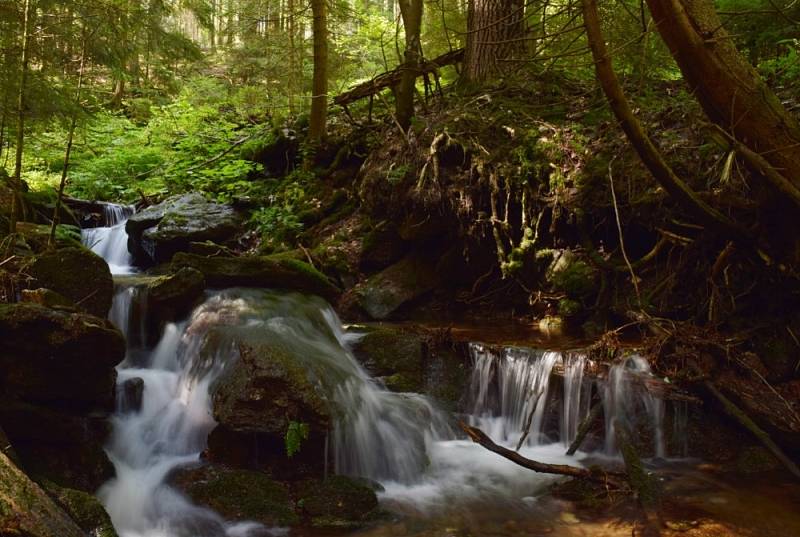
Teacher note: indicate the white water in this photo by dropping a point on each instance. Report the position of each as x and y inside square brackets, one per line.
[111, 241]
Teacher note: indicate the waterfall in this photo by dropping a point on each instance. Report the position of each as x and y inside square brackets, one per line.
[111, 240]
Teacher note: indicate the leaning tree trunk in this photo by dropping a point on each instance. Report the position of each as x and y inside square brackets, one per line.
[23, 79]
[411, 11]
[319, 85]
[495, 38]
[727, 86]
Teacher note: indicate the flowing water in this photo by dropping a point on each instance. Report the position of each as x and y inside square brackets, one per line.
[403, 441]
[110, 241]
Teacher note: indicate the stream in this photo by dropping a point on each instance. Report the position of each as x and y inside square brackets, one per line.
[434, 480]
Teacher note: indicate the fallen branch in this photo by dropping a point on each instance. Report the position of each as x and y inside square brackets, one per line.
[479, 437]
[392, 78]
[586, 426]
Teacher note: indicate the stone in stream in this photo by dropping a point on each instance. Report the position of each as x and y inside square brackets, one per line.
[131, 395]
[84, 508]
[338, 502]
[25, 509]
[259, 271]
[160, 231]
[173, 295]
[78, 274]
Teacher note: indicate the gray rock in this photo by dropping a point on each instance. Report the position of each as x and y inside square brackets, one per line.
[160, 231]
[405, 281]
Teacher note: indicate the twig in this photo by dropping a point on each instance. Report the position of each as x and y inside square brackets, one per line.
[622, 238]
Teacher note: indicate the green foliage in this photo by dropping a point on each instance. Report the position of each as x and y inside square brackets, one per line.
[296, 434]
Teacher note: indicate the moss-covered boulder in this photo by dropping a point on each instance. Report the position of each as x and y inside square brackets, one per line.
[158, 232]
[25, 509]
[400, 284]
[338, 502]
[239, 494]
[395, 355]
[259, 271]
[57, 356]
[78, 274]
[47, 298]
[84, 508]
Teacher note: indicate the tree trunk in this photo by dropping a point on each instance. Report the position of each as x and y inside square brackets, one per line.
[23, 79]
[495, 37]
[727, 86]
[319, 85]
[411, 11]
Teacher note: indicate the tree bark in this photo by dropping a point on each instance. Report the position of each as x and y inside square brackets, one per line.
[728, 88]
[411, 11]
[495, 37]
[319, 85]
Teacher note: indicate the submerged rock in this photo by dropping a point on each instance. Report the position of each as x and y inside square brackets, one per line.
[162, 230]
[78, 274]
[259, 271]
[405, 281]
[239, 494]
[338, 502]
[26, 511]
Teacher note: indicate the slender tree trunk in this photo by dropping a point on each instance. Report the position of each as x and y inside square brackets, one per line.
[23, 80]
[729, 89]
[68, 151]
[319, 86]
[411, 10]
[495, 38]
[291, 85]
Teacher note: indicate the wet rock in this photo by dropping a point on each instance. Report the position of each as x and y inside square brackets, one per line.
[405, 281]
[26, 511]
[56, 356]
[78, 274]
[338, 502]
[238, 494]
[84, 508]
[131, 394]
[48, 298]
[381, 247]
[160, 231]
[259, 271]
[174, 294]
[396, 355]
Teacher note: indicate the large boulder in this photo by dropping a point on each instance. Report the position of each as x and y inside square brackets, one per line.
[173, 295]
[258, 271]
[25, 509]
[84, 508]
[158, 232]
[400, 284]
[381, 247]
[76, 273]
[58, 356]
[238, 494]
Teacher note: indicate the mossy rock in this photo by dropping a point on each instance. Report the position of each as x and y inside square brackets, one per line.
[38, 235]
[25, 509]
[338, 502]
[174, 294]
[259, 271]
[571, 275]
[381, 247]
[400, 284]
[395, 354]
[239, 494]
[84, 508]
[48, 298]
[78, 274]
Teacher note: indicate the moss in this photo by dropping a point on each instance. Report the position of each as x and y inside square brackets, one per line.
[569, 308]
[84, 509]
[242, 495]
[755, 460]
[338, 502]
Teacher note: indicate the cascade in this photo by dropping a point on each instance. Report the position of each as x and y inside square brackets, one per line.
[111, 240]
[402, 440]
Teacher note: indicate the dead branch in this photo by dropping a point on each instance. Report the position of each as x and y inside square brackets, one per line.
[392, 78]
[479, 437]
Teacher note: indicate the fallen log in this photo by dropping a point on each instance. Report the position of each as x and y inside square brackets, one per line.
[479, 437]
[585, 427]
[392, 78]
